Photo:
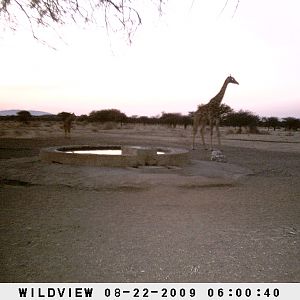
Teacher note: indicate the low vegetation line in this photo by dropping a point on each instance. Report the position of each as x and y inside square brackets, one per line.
[251, 140]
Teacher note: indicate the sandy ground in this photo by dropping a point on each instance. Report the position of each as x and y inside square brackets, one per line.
[206, 222]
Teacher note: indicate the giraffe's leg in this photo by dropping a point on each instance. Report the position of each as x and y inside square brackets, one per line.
[195, 129]
[211, 126]
[69, 132]
[218, 131]
[202, 128]
[194, 134]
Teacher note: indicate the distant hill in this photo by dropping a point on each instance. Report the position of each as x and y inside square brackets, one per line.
[13, 112]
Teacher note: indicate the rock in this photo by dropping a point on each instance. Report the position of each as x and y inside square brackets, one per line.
[217, 155]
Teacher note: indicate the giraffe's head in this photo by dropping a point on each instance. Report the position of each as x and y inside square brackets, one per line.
[230, 79]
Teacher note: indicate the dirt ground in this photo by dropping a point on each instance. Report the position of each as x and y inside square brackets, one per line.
[206, 222]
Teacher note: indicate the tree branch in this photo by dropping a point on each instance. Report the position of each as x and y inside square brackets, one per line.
[236, 7]
[49, 13]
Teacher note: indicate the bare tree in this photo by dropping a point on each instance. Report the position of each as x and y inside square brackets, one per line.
[116, 14]
[237, 3]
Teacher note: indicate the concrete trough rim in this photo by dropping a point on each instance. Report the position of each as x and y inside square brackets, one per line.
[133, 156]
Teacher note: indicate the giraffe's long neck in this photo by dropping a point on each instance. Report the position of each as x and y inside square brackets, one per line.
[219, 97]
[69, 120]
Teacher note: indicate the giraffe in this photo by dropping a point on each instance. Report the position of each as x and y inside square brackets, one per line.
[68, 124]
[210, 113]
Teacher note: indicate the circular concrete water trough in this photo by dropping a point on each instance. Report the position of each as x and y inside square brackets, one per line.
[115, 156]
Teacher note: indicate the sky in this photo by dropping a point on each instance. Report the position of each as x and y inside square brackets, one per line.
[175, 62]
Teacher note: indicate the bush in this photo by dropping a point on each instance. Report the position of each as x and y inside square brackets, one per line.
[24, 116]
[107, 115]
